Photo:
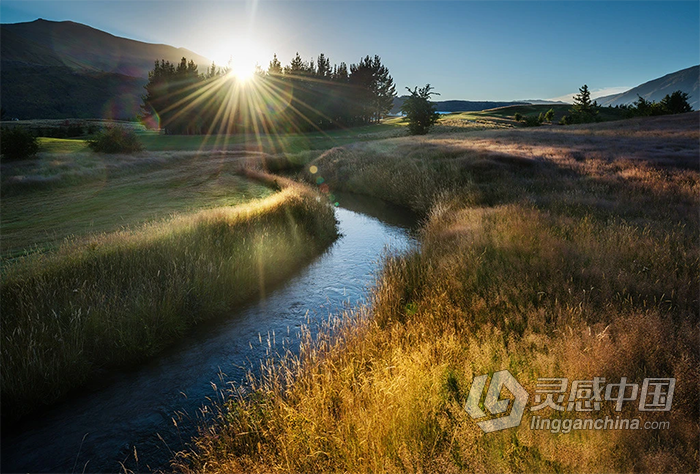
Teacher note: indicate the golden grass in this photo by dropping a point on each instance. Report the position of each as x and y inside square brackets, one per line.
[119, 297]
[576, 262]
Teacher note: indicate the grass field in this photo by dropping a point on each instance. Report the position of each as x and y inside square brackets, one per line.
[505, 115]
[284, 143]
[157, 242]
[296, 143]
[550, 252]
[73, 195]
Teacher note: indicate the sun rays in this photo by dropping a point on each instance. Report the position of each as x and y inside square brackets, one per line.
[240, 102]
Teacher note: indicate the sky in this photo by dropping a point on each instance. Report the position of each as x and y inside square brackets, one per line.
[470, 50]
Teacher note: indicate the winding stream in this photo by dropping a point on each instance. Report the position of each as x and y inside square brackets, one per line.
[101, 427]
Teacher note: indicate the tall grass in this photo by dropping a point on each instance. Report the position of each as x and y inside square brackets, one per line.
[120, 297]
[555, 259]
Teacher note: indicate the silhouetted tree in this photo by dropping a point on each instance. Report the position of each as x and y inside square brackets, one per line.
[643, 108]
[340, 73]
[297, 67]
[676, 103]
[420, 111]
[275, 67]
[323, 67]
[374, 89]
[582, 100]
[213, 71]
[383, 90]
[158, 90]
[584, 110]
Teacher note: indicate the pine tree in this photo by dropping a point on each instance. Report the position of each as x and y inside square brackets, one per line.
[384, 89]
[157, 93]
[373, 89]
[676, 103]
[213, 71]
[170, 92]
[323, 67]
[275, 67]
[582, 100]
[296, 67]
[583, 111]
[340, 73]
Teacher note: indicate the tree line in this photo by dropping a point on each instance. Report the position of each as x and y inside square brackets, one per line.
[673, 103]
[585, 110]
[299, 97]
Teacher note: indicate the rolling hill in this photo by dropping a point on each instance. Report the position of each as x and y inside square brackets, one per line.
[685, 80]
[64, 70]
[457, 105]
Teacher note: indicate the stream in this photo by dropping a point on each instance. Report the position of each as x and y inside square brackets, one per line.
[125, 420]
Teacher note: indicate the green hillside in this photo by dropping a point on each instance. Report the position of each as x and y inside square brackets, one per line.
[507, 114]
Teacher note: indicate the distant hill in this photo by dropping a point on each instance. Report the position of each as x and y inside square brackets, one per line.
[64, 69]
[685, 80]
[457, 105]
[544, 102]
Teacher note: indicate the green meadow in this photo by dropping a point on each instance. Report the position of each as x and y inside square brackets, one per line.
[73, 196]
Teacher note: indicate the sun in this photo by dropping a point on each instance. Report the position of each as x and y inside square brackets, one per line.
[240, 56]
[243, 71]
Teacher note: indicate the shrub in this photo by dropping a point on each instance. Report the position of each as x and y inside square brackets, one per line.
[533, 121]
[115, 140]
[17, 143]
[549, 115]
[518, 116]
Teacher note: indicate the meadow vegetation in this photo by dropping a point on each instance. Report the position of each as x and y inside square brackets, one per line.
[69, 195]
[550, 252]
[109, 299]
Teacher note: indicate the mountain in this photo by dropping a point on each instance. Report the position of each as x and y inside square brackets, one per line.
[457, 105]
[685, 80]
[18, 51]
[81, 47]
[64, 69]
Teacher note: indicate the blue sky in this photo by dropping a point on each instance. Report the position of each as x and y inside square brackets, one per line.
[465, 49]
